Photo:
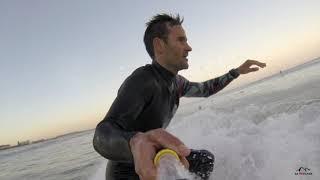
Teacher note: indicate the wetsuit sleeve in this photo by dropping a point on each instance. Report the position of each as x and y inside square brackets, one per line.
[113, 133]
[206, 88]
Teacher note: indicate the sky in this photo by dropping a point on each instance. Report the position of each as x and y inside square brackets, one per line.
[62, 62]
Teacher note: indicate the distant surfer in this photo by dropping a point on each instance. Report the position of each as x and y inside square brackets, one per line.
[134, 128]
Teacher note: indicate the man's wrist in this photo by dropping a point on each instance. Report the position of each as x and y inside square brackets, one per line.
[234, 73]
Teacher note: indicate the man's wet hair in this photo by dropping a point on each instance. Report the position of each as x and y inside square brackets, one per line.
[158, 27]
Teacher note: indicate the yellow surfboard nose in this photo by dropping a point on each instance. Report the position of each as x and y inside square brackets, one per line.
[162, 153]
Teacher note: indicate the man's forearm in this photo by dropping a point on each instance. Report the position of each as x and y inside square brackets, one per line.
[206, 88]
[217, 84]
[112, 142]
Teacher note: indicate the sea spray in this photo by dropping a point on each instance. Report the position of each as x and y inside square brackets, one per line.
[169, 166]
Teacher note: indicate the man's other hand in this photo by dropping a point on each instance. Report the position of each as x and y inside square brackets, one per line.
[144, 147]
[246, 66]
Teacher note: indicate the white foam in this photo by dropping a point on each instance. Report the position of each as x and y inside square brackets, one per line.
[100, 173]
[260, 140]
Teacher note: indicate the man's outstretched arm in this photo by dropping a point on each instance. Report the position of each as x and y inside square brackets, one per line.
[206, 88]
[212, 86]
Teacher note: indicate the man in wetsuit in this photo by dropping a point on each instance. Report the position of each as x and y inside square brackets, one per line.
[134, 128]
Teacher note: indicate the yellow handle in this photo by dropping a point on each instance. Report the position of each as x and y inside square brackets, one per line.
[164, 152]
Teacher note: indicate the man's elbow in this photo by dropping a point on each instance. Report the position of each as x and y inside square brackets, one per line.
[100, 141]
[110, 142]
[95, 141]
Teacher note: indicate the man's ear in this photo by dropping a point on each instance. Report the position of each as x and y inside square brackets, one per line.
[158, 45]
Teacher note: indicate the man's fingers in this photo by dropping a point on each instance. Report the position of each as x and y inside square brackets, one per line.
[262, 65]
[147, 177]
[143, 151]
[167, 140]
[253, 69]
[148, 174]
[185, 162]
[147, 170]
[255, 62]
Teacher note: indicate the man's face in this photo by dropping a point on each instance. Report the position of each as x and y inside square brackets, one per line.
[177, 48]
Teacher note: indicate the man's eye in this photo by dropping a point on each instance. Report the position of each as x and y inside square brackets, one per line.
[182, 40]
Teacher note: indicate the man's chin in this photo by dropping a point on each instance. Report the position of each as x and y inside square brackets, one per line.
[184, 66]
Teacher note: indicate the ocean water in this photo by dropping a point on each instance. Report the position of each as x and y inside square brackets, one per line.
[266, 130]
[67, 157]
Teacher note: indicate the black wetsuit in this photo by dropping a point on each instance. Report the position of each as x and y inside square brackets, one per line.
[146, 100]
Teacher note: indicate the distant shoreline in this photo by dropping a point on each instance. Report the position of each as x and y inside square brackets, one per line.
[6, 147]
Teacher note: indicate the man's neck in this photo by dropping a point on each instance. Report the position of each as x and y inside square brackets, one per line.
[167, 67]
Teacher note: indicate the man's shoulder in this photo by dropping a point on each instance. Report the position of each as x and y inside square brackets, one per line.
[142, 76]
[144, 73]
[143, 70]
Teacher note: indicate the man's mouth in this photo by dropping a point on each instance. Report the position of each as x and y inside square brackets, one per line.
[185, 57]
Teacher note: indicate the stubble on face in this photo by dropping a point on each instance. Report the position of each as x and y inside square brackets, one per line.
[177, 48]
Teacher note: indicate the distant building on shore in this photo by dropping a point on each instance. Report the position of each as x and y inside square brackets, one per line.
[4, 146]
[22, 143]
[37, 141]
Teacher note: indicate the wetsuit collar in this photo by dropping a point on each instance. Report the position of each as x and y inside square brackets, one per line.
[166, 74]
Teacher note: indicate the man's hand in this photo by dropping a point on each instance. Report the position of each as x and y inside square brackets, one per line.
[245, 67]
[144, 147]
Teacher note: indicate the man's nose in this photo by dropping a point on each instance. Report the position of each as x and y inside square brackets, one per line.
[189, 48]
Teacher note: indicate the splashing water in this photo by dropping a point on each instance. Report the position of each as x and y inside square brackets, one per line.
[169, 168]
